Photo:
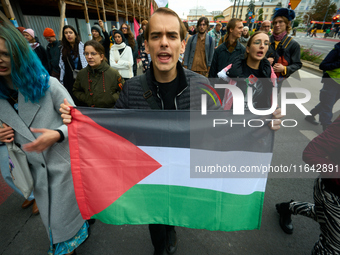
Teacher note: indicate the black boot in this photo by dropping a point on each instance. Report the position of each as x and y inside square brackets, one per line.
[311, 119]
[285, 217]
[171, 241]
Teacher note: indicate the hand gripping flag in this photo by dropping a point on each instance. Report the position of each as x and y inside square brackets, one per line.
[168, 167]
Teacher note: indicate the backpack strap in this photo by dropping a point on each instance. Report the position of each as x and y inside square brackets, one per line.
[148, 93]
[286, 42]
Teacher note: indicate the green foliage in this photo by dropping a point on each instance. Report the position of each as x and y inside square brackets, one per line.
[298, 20]
[310, 55]
[218, 16]
[251, 7]
[321, 8]
[260, 17]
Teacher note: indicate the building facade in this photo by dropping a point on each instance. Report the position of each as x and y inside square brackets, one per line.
[199, 11]
[241, 11]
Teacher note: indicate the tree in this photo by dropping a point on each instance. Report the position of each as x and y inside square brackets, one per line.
[322, 9]
[297, 21]
[260, 17]
[218, 16]
[251, 7]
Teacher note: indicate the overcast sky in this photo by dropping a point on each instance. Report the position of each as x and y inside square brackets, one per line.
[183, 6]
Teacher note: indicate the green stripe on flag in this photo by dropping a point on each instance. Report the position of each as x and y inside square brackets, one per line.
[148, 204]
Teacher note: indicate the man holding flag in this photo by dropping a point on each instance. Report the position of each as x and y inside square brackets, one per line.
[167, 88]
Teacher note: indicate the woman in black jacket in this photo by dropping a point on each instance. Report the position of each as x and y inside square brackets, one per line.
[72, 59]
[36, 46]
[252, 70]
[100, 35]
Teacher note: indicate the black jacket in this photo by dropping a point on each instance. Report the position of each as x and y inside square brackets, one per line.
[222, 57]
[53, 56]
[263, 95]
[140, 40]
[291, 53]
[331, 61]
[131, 96]
[106, 44]
[41, 52]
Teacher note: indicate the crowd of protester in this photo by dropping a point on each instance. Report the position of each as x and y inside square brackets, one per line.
[99, 72]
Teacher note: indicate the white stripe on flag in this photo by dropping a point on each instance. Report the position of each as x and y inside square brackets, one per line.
[179, 174]
[161, 3]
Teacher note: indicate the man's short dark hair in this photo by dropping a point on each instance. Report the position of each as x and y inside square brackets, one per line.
[205, 19]
[166, 11]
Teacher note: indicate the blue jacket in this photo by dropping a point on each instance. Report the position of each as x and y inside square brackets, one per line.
[191, 47]
[332, 60]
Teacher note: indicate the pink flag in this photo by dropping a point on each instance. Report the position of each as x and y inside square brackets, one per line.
[151, 8]
[136, 27]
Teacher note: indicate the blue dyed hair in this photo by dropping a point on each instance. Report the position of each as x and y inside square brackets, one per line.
[28, 75]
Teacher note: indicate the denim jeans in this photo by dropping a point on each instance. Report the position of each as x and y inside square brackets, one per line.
[329, 94]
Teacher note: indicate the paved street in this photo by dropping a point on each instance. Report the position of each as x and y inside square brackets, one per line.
[23, 233]
[320, 44]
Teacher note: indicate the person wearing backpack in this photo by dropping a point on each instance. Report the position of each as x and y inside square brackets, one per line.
[215, 33]
[284, 52]
[200, 49]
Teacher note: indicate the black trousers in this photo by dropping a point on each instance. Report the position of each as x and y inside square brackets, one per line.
[158, 236]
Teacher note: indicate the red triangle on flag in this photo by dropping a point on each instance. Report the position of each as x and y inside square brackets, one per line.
[104, 165]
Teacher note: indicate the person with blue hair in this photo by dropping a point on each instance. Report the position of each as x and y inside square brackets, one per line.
[284, 52]
[29, 103]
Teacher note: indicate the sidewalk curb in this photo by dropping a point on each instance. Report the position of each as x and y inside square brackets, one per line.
[311, 65]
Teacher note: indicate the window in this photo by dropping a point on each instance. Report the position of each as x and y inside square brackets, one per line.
[267, 10]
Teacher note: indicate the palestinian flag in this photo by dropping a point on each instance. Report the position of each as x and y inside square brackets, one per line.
[162, 3]
[169, 167]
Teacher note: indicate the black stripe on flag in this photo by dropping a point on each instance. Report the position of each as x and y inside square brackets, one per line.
[186, 129]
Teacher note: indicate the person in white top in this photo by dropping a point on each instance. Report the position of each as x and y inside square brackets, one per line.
[121, 57]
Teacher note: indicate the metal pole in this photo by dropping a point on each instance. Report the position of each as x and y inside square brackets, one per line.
[325, 17]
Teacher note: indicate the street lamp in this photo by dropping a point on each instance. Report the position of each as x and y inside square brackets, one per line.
[307, 18]
[324, 19]
[257, 18]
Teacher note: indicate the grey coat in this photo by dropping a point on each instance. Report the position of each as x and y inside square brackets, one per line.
[51, 170]
[191, 48]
